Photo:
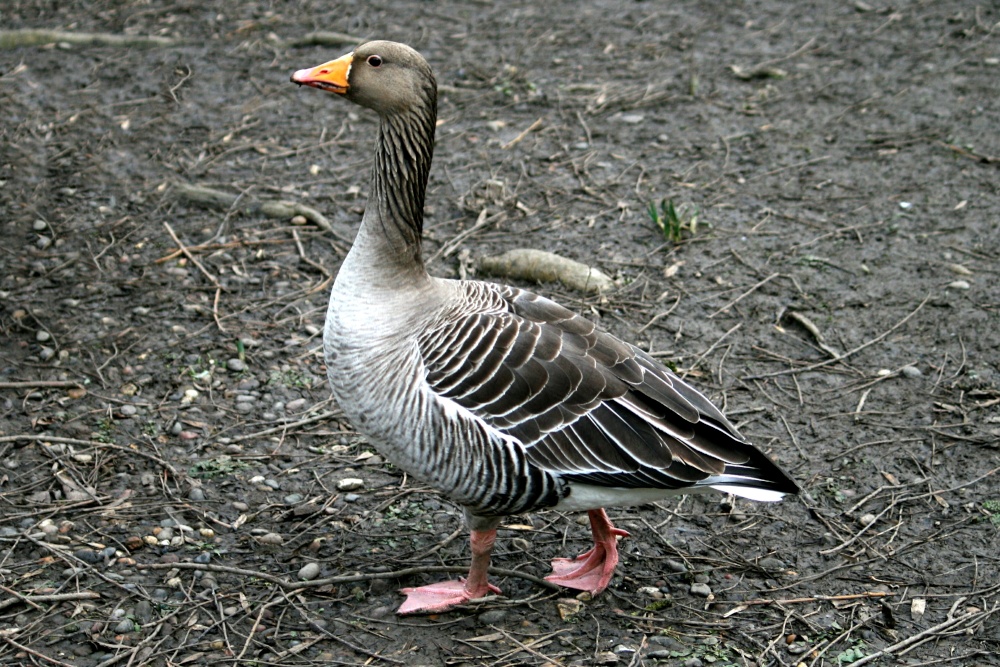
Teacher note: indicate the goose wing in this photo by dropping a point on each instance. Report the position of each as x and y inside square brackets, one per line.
[585, 406]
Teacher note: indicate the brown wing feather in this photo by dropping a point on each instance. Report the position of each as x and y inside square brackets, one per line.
[584, 404]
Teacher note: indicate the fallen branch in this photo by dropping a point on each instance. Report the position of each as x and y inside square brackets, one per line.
[272, 208]
[973, 616]
[346, 579]
[815, 598]
[12, 39]
[845, 355]
[541, 266]
[58, 597]
[41, 384]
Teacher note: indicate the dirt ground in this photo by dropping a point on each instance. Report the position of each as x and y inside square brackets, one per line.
[171, 467]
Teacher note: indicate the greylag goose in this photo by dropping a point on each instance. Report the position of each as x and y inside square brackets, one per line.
[501, 399]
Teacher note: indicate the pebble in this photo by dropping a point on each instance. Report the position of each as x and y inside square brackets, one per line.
[350, 484]
[43, 336]
[271, 538]
[128, 410]
[293, 498]
[866, 519]
[701, 590]
[39, 225]
[203, 558]
[797, 648]
[911, 371]
[296, 405]
[693, 662]
[701, 578]
[236, 365]
[351, 498]
[676, 566]
[771, 563]
[240, 506]
[125, 626]
[309, 571]
[959, 284]
[272, 483]
[651, 592]
[493, 616]
[46, 353]
[196, 494]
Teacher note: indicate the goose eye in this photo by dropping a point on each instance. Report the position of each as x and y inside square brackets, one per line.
[375, 61]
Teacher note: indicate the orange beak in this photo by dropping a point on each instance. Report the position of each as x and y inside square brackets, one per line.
[331, 76]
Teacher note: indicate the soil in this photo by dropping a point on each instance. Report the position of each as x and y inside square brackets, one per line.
[169, 456]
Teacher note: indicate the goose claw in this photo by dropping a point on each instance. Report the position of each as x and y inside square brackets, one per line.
[440, 597]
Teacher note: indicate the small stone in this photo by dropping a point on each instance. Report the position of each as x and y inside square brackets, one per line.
[866, 519]
[309, 571]
[693, 662]
[771, 563]
[203, 558]
[271, 538]
[196, 494]
[651, 592]
[911, 371]
[493, 616]
[917, 608]
[350, 484]
[236, 365]
[701, 590]
[701, 578]
[46, 353]
[299, 220]
[39, 225]
[959, 284]
[606, 658]
[351, 498]
[676, 566]
[129, 410]
[293, 498]
[240, 506]
[125, 626]
[43, 336]
[569, 608]
[797, 648]
[295, 405]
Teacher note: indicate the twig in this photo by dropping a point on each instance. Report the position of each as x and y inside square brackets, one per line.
[346, 579]
[709, 350]
[326, 414]
[35, 653]
[41, 384]
[845, 355]
[816, 598]
[940, 627]
[518, 138]
[12, 39]
[745, 294]
[187, 253]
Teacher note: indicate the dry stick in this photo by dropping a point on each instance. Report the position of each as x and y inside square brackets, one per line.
[845, 355]
[12, 39]
[91, 443]
[481, 221]
[187, 253]
[327, 414]
[659, 316]
[920, 636]
[709, 350]
[35, 653]
[816, 598]
[346, 579]
[518, 138]
[745, 294]
[41, 384]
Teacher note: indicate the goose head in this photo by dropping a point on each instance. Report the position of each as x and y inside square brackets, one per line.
[387, 77]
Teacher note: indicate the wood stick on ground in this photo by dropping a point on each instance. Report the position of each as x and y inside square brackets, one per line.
[815, 598]
[845, 355]
[744, 295]
[41, 384]
[190, 256]
[929, 632]
[346, 579]
[12, 39]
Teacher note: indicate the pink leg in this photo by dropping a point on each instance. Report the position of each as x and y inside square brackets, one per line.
[444, 595]
[591, 571]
